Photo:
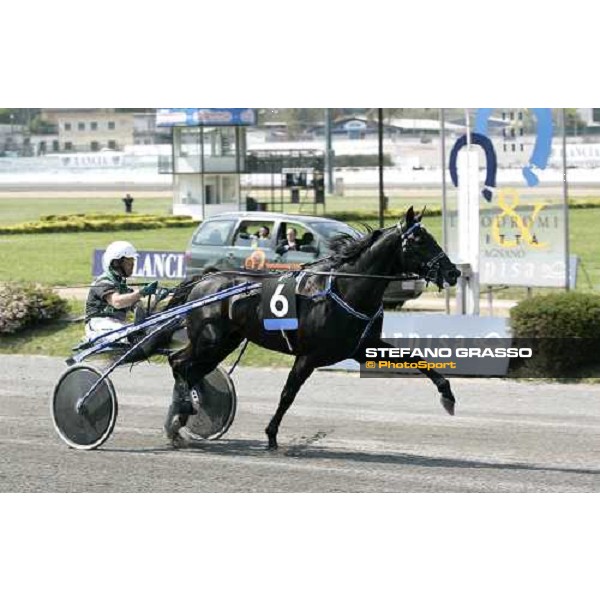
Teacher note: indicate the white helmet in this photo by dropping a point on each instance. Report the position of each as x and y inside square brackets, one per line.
[118, 250]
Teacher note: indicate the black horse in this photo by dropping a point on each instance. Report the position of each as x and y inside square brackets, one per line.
[339, 316]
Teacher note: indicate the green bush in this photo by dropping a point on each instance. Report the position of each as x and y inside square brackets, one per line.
[361, 160]
[564, 330]
[27, 305]
[96, 222]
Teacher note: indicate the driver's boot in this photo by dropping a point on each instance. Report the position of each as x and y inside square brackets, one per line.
[179, 411]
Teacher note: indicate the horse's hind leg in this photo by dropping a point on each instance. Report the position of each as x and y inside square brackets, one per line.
[181, 406]
[190, 365]
[300, 372]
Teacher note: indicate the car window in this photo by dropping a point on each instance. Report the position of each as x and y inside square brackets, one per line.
[250, 234]
[305, 238]
[213, 233]
[284, 226]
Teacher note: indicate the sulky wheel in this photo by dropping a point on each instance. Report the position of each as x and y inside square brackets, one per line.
[86, 426]
[215, 400]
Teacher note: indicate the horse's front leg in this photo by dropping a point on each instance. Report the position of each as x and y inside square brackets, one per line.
[300, 372]
[441, 383]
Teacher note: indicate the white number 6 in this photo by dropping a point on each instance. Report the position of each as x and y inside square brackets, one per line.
[276, 299]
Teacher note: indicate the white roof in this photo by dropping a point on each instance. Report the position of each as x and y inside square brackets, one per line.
[423, 124]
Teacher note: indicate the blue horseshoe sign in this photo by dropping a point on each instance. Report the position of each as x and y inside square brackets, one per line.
[490, 154]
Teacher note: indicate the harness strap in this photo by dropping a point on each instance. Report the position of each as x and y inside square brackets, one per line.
[347, 307]
[341, 302]
[326, 292]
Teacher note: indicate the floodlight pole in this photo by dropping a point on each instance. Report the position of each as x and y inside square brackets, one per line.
[328, 151]
[445, 239]
[566, 201]
[381, 192]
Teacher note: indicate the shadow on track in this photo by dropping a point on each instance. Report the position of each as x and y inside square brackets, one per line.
[305, 449]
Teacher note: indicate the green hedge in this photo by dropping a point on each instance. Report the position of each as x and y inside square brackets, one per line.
[93, 222]
[27, 305]
[113, 217]
[361, 160]
[368, 215]
[553, 321]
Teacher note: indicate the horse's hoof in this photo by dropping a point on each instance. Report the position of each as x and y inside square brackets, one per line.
[177, 443]
[448, 404]
[171, 429]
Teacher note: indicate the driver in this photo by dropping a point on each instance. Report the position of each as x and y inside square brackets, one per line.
[110, 299]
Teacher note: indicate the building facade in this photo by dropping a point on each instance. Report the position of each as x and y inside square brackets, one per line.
[91, 129]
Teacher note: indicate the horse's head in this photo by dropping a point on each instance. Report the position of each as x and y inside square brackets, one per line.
[422, 255]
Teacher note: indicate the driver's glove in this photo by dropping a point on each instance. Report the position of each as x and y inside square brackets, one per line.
[149, 289]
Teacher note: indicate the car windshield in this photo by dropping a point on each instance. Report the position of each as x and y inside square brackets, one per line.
[329, 229]
[213, 233]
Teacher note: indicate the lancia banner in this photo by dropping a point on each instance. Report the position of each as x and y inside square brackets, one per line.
[152, 264]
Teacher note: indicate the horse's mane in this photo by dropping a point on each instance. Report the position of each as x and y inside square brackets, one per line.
[346, 248]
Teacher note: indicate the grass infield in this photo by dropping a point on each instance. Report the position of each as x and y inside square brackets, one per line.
[65, 259]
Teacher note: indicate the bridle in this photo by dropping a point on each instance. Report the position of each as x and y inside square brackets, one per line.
[433, 265]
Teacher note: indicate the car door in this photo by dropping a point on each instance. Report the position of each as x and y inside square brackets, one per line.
[210, 245]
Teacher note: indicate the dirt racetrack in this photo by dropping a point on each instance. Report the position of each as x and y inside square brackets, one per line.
[343, 434]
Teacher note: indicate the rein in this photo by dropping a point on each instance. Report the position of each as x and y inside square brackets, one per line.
[364, 276]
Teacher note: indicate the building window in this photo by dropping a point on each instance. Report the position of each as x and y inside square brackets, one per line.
[95, 146]
[111, 125]
[55, 146]
[94, 126]
[68, 146]
[112, 144]
[67, 126]
[596, 115]
[81, 126]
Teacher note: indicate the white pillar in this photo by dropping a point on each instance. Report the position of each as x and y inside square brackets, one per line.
[468, 223]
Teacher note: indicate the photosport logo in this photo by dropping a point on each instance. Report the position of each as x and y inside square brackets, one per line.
[542, 358]
[489, 357]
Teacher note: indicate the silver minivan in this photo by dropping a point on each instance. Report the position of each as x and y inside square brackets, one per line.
[256, 240]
